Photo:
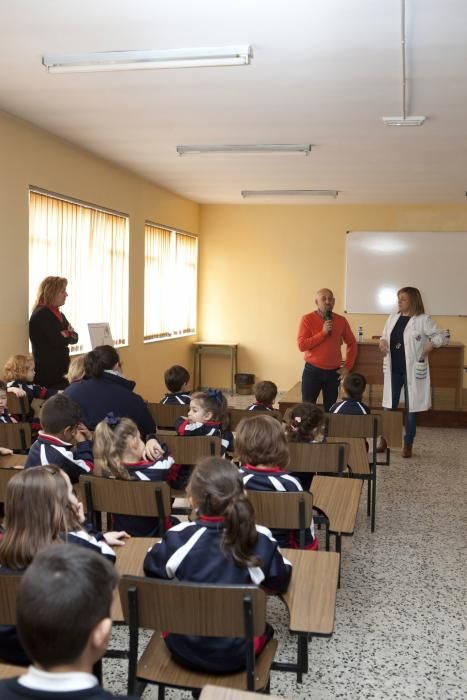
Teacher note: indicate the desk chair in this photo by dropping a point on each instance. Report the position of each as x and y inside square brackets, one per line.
[8, 591]
[145, 498]
[318, 458]
[188, 608]
[18, 406]
[186, 451]
[363, 426]
[165, 415]
[5, 475]
[15, 436]
[290, 510]
[237, 414]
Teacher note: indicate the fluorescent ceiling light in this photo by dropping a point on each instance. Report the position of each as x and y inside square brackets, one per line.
[289, 193]
[403, 121]
[146, 60]
[255, 148]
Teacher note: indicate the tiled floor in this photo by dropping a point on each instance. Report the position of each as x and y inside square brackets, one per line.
[399, 619]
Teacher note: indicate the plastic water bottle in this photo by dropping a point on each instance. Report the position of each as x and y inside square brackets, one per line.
[360, 334]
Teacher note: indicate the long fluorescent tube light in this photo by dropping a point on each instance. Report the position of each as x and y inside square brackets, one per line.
[289, 193]
[403, 121]
[256, 148]
[147, 60]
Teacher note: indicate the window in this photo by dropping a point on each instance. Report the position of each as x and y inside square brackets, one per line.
[170, 283]
[89, 247]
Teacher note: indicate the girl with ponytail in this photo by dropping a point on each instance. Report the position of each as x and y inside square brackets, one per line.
[223, 545]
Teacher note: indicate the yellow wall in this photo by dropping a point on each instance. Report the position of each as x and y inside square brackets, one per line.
[260, 267]
[29, 156]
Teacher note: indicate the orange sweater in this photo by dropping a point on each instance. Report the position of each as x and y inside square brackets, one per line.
[324, 351]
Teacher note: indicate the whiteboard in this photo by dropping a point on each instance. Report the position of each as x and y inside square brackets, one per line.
[378, 263]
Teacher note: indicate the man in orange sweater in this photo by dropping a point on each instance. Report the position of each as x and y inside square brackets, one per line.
[320, 336]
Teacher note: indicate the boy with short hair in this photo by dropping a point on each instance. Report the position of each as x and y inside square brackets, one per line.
[176, 380]
[61, 429]
[64, 624]
[351, 404]
[265, 395]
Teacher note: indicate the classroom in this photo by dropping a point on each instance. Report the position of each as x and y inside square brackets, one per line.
[271, 229]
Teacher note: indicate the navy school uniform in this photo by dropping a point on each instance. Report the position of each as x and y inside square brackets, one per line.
[176, 398]
[142, 526]
[48, 449]
[210, 428]
[12, 689]
[5, 417]
[11, 650]
[350, 407]
[274, 479]
[257, 406]
[192, 552]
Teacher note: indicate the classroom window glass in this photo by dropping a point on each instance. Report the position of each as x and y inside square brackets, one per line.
[170, 283]
[89, 247]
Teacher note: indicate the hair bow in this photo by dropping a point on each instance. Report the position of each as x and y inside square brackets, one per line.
[216, 395]
[112, 420]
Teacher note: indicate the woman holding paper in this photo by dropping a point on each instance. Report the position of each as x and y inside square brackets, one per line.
[51, 334]
[409, 336]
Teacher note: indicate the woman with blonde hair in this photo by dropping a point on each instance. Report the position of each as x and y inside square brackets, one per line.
[51, 334]
[409, 336]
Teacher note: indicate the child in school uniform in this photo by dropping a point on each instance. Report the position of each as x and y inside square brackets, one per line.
[261, 446]
[76, 371]
[5, 416]
[176, 380]
[351, 403]
[62, 634]
[41, 509]
[19, 372]
[64, 440]
[304, 423]
[207, 415]
[223, 545]
[119, 453]
[265, 395]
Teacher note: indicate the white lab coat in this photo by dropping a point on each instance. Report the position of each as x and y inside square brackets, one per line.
[419, 330]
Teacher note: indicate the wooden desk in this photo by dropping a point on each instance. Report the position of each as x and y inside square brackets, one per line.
[446, 366]
[203, 347]
[310, 598]
[339, 499]
[391, 421]
[129, 562]
[358, 455]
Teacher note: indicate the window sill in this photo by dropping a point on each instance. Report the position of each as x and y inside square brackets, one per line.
[173, 337]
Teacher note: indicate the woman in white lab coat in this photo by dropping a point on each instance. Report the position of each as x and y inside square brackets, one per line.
[408, 338]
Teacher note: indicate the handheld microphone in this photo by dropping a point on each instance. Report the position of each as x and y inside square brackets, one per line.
[328, 316]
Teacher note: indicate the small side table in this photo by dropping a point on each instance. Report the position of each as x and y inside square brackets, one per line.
[203, 347]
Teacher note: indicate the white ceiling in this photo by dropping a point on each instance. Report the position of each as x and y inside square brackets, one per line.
[324, 72]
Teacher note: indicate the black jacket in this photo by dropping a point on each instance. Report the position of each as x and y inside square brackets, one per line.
[49, 347]
[110, 393]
